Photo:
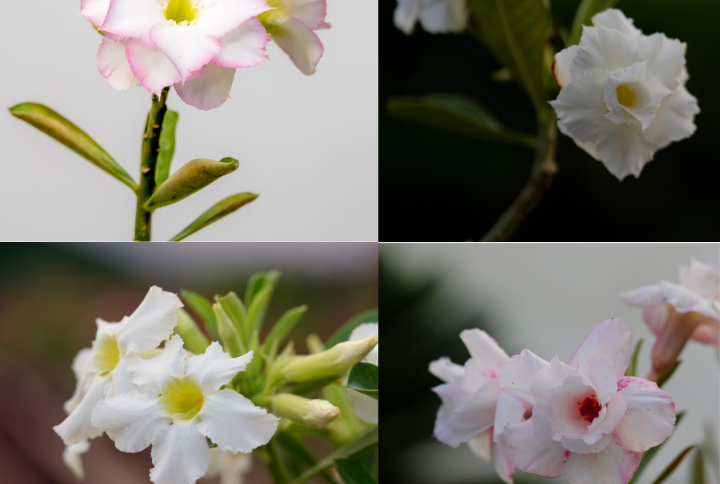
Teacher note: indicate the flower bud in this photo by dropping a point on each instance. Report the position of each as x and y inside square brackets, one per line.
[315, 413]
[335, 361]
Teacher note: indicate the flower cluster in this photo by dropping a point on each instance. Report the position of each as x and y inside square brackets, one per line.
[196, 45]
[584, 419]
[623, 93]
[436, 16]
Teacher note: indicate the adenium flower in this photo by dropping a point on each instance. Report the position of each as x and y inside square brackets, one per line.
[291, 24]
[436, 16]
[676, 313]
[470, 397]
[179, 404]
[366, 408]
[623, 93]
[193, 45]
[589, 422]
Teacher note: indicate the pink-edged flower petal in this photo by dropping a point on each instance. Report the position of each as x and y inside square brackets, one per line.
[244, 46]
[708, 334]
[209, 90]
[655, 317]
[446, 370]
[300, 43]
[485, 351]
[219, 17]
[94, 11]
[685, 300]
[152, 68]
[552, 377]
[600, 372]
[650, 415]
[509, 410]
[133, 18]
[188, 48]
[311, 13]
[651, 295]
[456, 424]
[482, 444]
[611, 340]
[606, 423]
[113, 65]
[531, 456]
[565, 405]
[519, 373]
[502, 461]
[614, 465]
[704, 279]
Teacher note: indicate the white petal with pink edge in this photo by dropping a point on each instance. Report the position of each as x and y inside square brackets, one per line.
[94, 11]
[611, 340]
[701, 278]
[509, 410]
[482, 445]
[187, 47]
[458, 423]
[614, 465]
[133, 18]
[222, 16]
[151, 67]
[114, 66]
[485, 351]
[531, 456]
[300, 43]
[244, 46]
[502, 461]
[650, 415]
[209, 90]
[600, 372]
[446, 370]
[552, 377]
[519, 373]
[311, 13]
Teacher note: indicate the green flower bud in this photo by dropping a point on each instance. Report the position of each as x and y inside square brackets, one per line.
[335, 361]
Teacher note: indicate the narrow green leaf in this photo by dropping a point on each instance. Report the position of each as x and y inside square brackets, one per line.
[632, 366]
[664, 375]
[64, 131]
[514, 30]
[215, 213]
[258, 307]
[363, 378]
[193, 338]
[255, 283]
[671, 467]
[282, 328]
[228, 333]
[235, 309]
[299, 451]
[188, 179]
[343, 333]
[204, 309]
[697, 471]
[353, 473]
[368, 440]
[167, 147]
[648, 455]
[456, 113]
[307, 387]
[584, 15]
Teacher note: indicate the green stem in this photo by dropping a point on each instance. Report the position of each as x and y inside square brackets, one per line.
[275, 464]
[150, 150]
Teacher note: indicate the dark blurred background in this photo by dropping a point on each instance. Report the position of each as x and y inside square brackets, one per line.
[436, 186]
[50, 295]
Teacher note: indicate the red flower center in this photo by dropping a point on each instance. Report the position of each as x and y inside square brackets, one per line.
[589, 408]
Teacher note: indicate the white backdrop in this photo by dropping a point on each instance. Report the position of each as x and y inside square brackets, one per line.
[308, 145]
[547, 298]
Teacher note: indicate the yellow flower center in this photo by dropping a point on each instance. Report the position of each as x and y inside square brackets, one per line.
[282, 12]
[625, 95]
[106, 356]
[181, 12]
[181, 398]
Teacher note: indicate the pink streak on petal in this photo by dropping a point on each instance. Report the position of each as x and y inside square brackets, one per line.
[95, 11]
[208, 91]
[186, 47]
[611, 340]
[243, 47]
[151, 67]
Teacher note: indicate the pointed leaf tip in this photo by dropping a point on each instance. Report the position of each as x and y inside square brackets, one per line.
[215, 213]
[167, 147]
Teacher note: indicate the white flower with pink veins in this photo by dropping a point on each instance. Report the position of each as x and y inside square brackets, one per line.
[470, 395]
[193, 45]
[589, 422]
[623, 93]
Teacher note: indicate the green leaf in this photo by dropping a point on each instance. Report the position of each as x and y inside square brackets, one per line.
[648, 455]
[298, 451]
[235, 309]
[188, 179]
[514, 30]
[204, 309]
[258, 307]
[255, 283]
[361, 444]
[193, 338]
[664, 375]
[671, 467]
[64, 131]
[456, 113]
[632, 366]
[231, 339]
[583, 16]
[215, 213]
[167, 147]
[363, 378]
[343, 333]
[282, 328]
[353, 473]
[697, 471]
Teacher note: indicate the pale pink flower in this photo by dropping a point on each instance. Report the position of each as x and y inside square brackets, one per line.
[676, 313]
[470, 395]
[589, 422]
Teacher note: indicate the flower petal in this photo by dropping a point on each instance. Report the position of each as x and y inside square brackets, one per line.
[84, 377]
[650, 415]
[444, 17]
[223, 16]
[179, 453]
[673, 119]
[311, 13]
[150, 374]
[485, 351]
[647, 88]
[685, 300]
[300, 43]
[509, 410]
[519, 373]
[502, 461]
[623, 149]
[665, 58]
[234, 423]
[459, 422]
[187, 47]
[600, 372]
[152, 68]
[606, 50]
[130, 419]
[120, 381]
[133, 18]
[581, 103]
[72, 459]
[363, 331]
[531, 456]
[151, 323]
[77, 425]
[114, 66]
[482, 444]
[551, 377]
[209, 90]
[611, 340]
[446, 370]
[215, 368]
[613, 18]
[366, 408]
[406, 15]
[614, 465]
[616, 409]
[704, 279]
[94, 11]
[651, 295]
[244, 46]
[561, 66]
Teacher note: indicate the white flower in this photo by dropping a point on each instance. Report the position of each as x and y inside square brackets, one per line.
[72, 459]
[436, 16]
[180, 404]
[230, 467]
[623, 93]
[366, 408]
[101, 370]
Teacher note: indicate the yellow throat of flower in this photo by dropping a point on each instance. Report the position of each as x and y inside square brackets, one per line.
[282, 12]
[107, 355]
[181, 398]
[625, 95]
[181, 12]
